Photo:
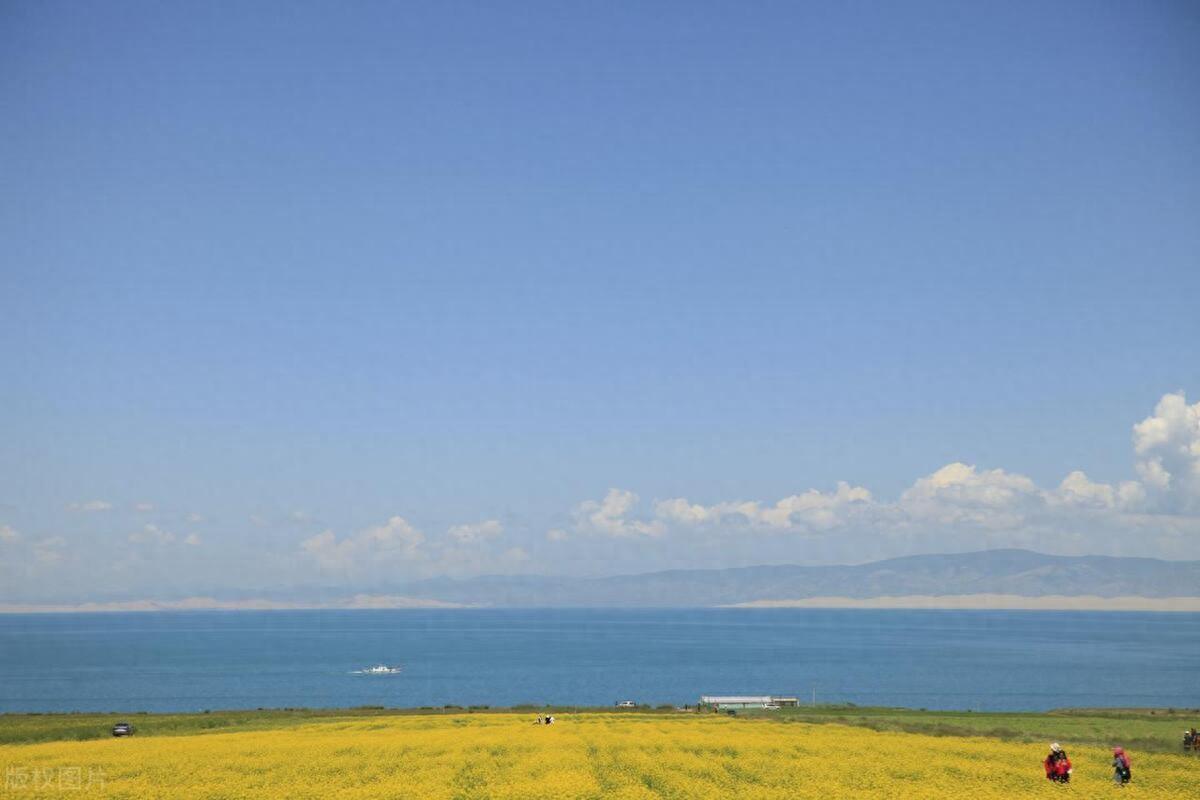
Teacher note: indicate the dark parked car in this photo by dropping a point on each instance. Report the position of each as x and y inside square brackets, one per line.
[122, 729]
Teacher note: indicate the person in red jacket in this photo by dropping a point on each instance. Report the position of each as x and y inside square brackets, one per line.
[1058, 766]
[1049, 761]
[1063, 768]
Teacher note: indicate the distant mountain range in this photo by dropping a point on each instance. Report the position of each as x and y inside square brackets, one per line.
[987, 579]
[991, 572]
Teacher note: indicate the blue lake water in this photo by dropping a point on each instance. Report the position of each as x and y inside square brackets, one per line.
[932, 659]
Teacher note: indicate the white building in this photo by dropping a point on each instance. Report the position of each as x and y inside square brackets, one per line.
[724, 702]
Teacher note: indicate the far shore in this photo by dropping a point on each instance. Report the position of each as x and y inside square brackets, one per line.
[997, 602]
[361, 601]
[966, 602]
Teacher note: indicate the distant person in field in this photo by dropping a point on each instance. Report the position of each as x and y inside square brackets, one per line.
[1121, 773]
[1058, 766]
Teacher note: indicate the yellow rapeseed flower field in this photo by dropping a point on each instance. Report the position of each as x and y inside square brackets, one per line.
[582, 756]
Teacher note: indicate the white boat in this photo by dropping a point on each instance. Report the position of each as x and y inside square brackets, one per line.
[379, 669]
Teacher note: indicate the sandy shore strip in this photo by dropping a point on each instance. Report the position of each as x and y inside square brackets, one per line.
[358, 601]
[988, 601]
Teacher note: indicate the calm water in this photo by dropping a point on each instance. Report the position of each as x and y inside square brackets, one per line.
[931, 659]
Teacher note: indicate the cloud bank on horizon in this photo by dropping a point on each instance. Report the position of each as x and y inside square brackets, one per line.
[963, 507]
[1166, 445]
[959, 507]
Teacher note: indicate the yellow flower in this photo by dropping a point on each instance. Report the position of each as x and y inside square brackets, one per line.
[504, 756]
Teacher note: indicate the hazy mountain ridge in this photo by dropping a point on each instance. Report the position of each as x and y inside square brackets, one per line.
[984, 579]
[995, 572]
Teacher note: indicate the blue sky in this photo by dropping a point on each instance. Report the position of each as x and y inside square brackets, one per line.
[282, 273]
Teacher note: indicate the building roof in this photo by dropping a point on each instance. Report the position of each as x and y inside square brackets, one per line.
[715, 699]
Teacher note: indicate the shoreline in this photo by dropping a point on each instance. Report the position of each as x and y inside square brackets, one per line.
[989, 602]
[1149, 729]
[962, 602]
[655, 709]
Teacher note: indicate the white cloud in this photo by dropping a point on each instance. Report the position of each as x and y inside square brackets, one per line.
[395, 540]
[959, 506]
[143, 508]
[152, 534]
[812, 510]
[612, 516]
[1167, 446]
[49, 550]
[815, 510]
[959, 493]
[396, 549]
[964, 506]
[944, 506]
[1079, 491]
[680, 510]
[91, 506]
[476, 532]
[195, 518]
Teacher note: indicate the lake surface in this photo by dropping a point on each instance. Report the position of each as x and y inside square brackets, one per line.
[997, 660]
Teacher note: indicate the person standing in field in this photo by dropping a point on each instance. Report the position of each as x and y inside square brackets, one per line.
[1058, 766]
[1063, 767]
[1121, 773]
[1049, 761]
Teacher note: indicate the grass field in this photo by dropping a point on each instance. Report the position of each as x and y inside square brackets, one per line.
[305, 754]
